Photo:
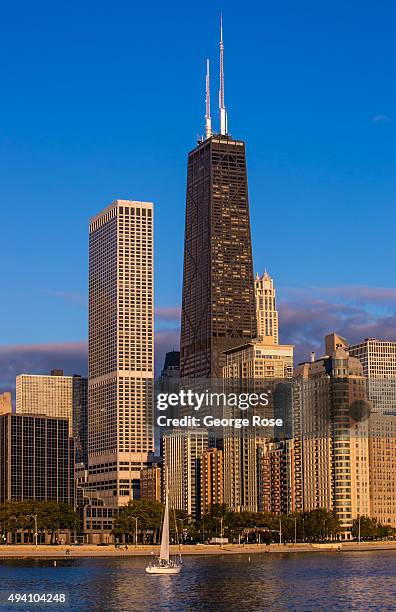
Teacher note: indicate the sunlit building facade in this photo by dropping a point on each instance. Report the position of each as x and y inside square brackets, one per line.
[266, 312]
[57, 395]
[121, 352]
[331, 448]
[181, 451]
[378, 358]
[382, 451]
[253, 367]
[36, 459]
[212, 479]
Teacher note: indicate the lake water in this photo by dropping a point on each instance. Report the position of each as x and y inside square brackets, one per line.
[322, 581]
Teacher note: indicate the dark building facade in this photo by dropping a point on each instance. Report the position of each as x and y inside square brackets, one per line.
[171, 367]
[80, 418]
[218, 302]
[36, 459]
[150, 483]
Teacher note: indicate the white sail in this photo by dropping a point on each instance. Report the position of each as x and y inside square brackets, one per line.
[164, 550]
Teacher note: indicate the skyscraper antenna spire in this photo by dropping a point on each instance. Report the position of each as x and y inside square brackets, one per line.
[222, 109]
[208, 119]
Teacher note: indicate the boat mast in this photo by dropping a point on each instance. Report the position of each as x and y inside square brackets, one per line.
[164, 550]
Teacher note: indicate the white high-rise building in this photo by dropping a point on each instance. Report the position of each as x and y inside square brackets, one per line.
[121, 351]
[266, 312]
[181, 452]
[378, 358]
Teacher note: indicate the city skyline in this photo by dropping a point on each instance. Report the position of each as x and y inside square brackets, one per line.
[353, 300]
[231, 330]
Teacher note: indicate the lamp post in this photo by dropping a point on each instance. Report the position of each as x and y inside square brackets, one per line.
[303, 529]
[34, 516]
[136, 530]
[295, 530]
[181, 538]
[280, 530]
[359, 529]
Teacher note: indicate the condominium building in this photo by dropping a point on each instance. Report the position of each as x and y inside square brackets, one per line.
[331, 454]
[57, 395]
[36, 459]
[5, 403]
[181, 451]
[258, 361]
[266, 312]
[212, 479]
[276, 476]
[150, 483]
[382, 451]
[254, 366]
[121, 353]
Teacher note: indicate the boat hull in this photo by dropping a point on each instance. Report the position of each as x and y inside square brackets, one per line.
[151, 569]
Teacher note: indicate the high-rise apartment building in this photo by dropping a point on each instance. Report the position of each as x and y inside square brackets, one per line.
[121, 364]
[218, 303]
[182, 450]
[331, 446]
[378, 358]
[266, 312]
[150, 483]
[251, 367]
[57, 395]
[36, 459]
[275, 476]
[382, 451]
[212, 479]
[258, 361]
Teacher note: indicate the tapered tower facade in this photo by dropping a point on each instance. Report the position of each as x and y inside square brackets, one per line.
[218, 303]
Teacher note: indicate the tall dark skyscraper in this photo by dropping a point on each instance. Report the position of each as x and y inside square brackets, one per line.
[218, 304]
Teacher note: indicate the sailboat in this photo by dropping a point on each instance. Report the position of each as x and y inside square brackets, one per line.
[163, 564]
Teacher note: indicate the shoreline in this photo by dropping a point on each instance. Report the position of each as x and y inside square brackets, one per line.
[23, 551]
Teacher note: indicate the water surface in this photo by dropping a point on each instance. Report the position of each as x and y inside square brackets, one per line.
[303, 582]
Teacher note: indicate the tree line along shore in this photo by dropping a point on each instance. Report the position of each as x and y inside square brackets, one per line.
[139, 523]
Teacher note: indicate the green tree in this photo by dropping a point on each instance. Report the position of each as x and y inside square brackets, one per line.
[370, 528]
[149, 518]
[51, 516]
[321, 524]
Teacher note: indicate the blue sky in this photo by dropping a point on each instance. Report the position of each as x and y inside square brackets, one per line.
[104, 100]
